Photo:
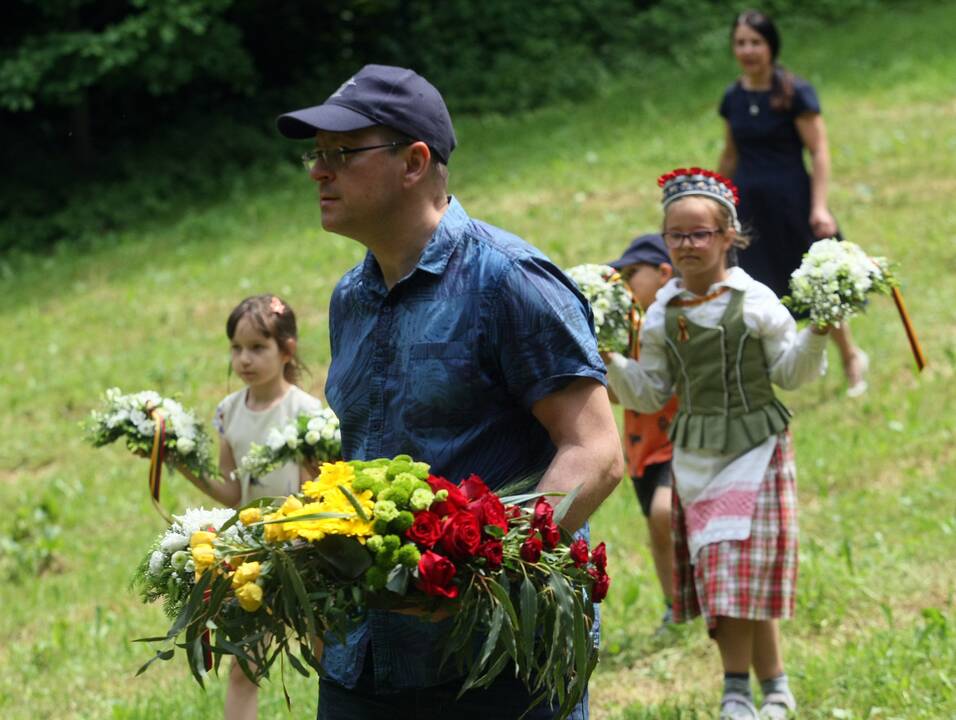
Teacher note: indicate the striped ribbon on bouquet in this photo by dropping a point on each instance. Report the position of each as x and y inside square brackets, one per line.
[206, 638]
[156, 458]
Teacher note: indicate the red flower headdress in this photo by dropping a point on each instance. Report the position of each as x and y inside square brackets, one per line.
[697, 181]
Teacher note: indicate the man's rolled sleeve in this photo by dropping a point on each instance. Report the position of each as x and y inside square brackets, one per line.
[543, 330]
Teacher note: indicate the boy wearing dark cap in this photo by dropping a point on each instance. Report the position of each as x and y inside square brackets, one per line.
[452, 341]
[646, 267]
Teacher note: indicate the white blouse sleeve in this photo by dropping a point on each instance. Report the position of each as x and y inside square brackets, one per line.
[793, 357]
[644, 385]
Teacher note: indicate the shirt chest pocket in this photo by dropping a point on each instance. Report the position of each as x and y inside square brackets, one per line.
[441, 384]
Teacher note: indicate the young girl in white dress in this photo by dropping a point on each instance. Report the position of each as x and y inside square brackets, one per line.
[262, 339]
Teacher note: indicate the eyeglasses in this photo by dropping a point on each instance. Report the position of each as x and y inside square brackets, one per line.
[697, 238]
[336, 158]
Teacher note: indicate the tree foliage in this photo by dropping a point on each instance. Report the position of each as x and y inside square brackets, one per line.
[104, 76]
[158, 46]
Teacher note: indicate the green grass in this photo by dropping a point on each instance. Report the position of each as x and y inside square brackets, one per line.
[873, 637]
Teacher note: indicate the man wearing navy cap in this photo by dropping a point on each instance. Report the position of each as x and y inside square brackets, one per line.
[452, 341]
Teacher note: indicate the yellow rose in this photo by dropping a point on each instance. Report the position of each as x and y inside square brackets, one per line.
[245, 573]
[275, 532]
[250, 597]
[201, 537]
[291, 504]
[203, 557]
[250, 515]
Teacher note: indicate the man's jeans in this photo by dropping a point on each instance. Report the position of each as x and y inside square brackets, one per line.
[505, 699]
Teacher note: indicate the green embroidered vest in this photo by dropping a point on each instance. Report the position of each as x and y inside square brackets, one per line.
[722, 383]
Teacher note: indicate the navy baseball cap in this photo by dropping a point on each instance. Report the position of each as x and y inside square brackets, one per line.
[647, 249]
[379, 95]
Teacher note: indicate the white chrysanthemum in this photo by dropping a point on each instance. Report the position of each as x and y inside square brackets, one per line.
[275, 439]
[833, 281]
[157, 561]
[173, 541]
[611, 304]
[195, 519]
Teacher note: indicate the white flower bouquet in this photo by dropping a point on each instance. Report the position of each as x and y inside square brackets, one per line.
[185, 440]
[312, 438]
[611, 302]
[168, 570]
[833, 281]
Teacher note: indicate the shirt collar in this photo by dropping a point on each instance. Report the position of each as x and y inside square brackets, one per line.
[438, 251]
[737, 279]
[435, 256]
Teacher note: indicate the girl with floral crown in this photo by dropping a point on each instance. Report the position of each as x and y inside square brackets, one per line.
[262, 338]
[719, 340]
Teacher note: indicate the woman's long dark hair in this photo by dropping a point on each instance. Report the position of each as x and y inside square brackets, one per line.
[781, 82]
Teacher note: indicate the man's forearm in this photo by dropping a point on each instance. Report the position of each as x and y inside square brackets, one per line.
[596, 468]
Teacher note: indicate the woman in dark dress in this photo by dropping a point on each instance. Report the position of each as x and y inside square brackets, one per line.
[771, 116]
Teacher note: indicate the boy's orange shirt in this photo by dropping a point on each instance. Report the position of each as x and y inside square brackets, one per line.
[645, 434]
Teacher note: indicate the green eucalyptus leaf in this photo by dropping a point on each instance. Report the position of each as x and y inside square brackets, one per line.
[346, 556]
[463, 626]
[359, 510]
[160, 655]
[197, 661]
[309, 516]
[194, 604]
[297, 664]
[491, 641]
[398, 579]
[298, 587]
[497, 665]
[581, 641]
[529, 619]
[562, 509]
[501, 595]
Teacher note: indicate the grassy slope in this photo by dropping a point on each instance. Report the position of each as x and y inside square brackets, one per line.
[878, 476]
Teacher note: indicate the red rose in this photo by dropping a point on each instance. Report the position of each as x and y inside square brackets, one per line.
[455, 500]
[489, 511]
[493, 552]
[602, 582]
[426, 529]
[543, 514]
[436, 574]
[579, 552]
[531, 549]
[599, 557]
[551, 535]
[461, 535]
[473, 487]
[513, 512]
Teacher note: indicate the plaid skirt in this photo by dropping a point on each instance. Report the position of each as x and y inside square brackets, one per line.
[752, 579]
